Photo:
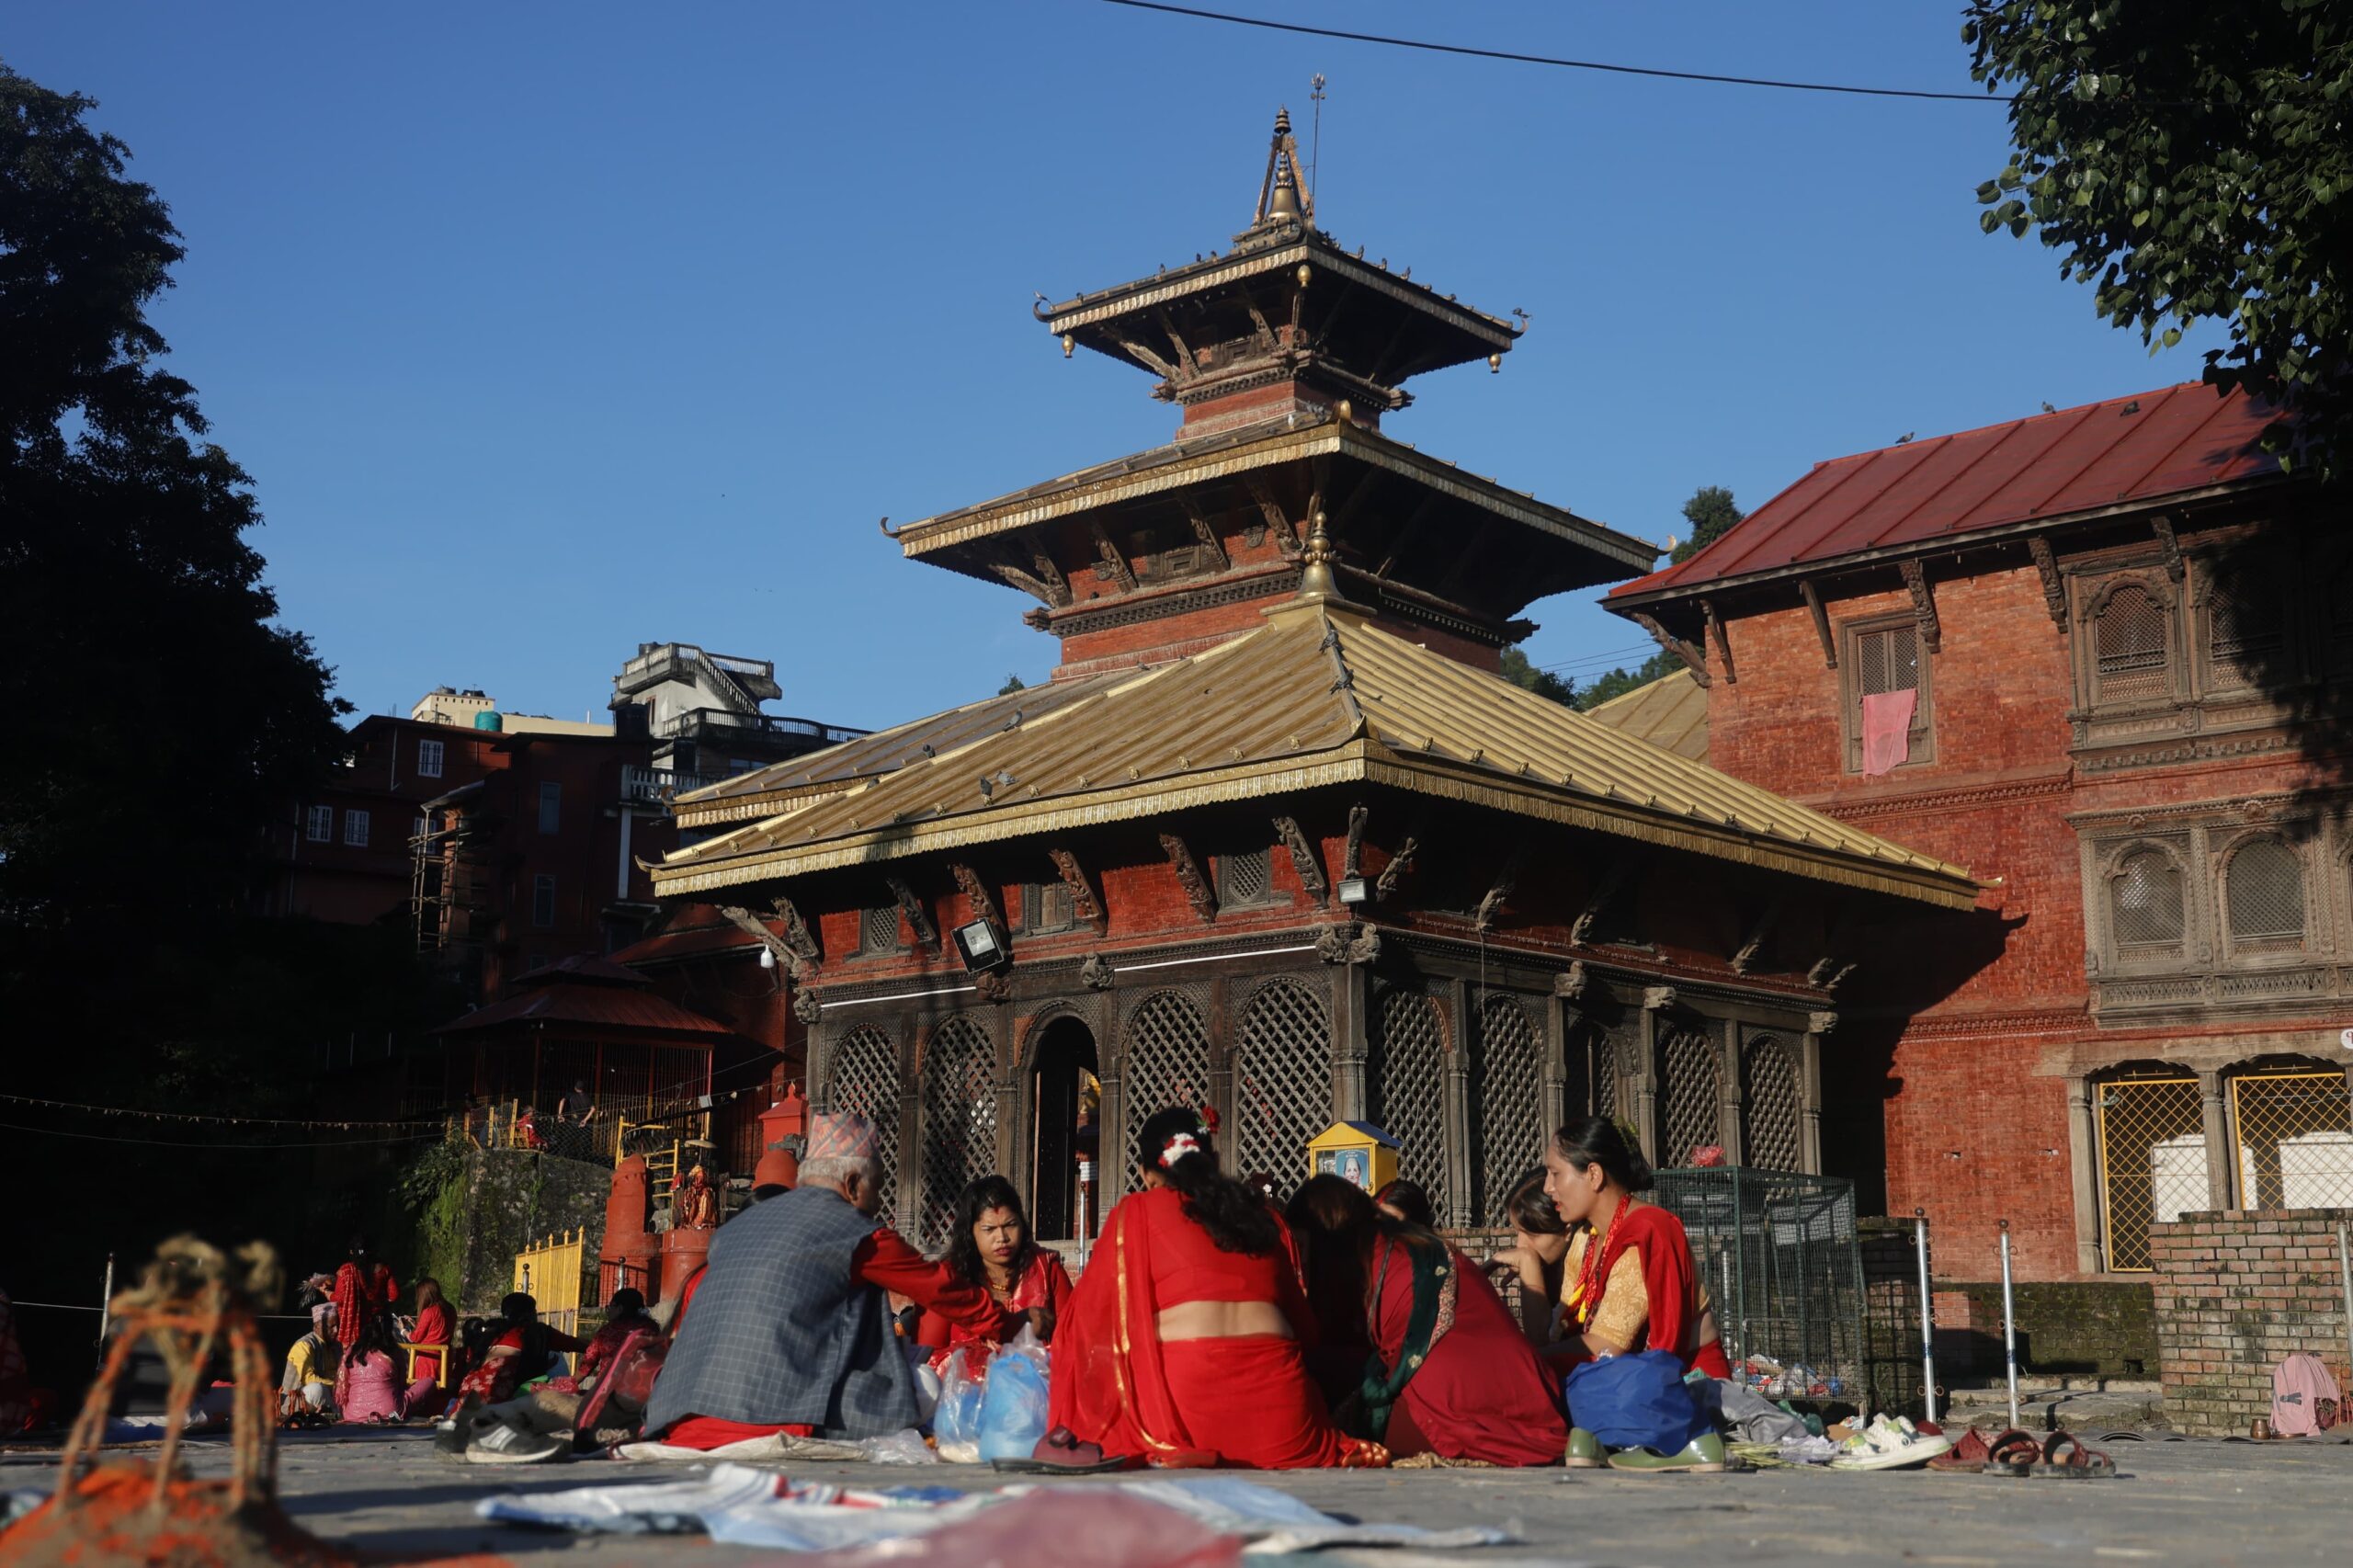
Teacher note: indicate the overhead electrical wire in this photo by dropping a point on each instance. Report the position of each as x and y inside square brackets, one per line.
[222, 1120]
[1515, 58]
[184, 1144]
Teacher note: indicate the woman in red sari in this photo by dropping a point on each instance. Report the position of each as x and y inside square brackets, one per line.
[436, 1325]
[989, 1245]
[1630, 1281]
[1450, 1373]
[1181, 1343]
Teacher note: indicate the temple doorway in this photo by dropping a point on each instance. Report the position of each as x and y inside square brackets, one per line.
[1062, 1131]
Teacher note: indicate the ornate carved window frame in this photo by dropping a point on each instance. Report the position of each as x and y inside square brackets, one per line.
[1851, 633]
[2175, 852]
[2259, 950]
[2097, 595]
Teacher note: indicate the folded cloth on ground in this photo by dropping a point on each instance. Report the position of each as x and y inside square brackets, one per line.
[763, 1450]
[743, 1506]
[1752, 1417]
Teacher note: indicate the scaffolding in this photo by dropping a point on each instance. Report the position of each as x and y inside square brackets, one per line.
[1782, 1263]
[448, 875]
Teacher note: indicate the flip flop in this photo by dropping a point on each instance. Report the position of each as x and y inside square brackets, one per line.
[2014, 1454]
[1969, 1453]
[1058, 1467]
[2079, 1463]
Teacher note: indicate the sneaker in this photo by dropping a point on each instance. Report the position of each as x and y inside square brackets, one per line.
[450, 1436]
[503, 1442]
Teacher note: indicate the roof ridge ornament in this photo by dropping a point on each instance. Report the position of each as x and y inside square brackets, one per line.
[1280, 196]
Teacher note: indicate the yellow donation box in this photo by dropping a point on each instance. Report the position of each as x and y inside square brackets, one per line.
[1354, 1150]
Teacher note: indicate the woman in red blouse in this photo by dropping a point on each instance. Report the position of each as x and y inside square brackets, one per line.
[989, 1245]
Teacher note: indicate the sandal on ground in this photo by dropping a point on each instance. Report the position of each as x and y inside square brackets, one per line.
[1586, 1451]
[2014, 1454]
[2064, 1457]
[1968, 1454]
[1060, 1451]
[1703, 1455]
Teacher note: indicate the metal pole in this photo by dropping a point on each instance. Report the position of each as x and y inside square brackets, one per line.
[1927, 1316]
[106, 1300]
[2010, 1324]
[2344, 1273]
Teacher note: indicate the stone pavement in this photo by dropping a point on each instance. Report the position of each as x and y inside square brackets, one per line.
[390, 1495]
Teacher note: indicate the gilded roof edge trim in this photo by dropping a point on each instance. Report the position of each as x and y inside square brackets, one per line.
[1125, 300]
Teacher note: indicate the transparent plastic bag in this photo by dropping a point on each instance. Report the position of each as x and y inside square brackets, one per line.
[904, 1447]
[1014, 1401]
[957, 1420]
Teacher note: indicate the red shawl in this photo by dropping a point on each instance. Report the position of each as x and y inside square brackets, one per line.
[1670, 1281]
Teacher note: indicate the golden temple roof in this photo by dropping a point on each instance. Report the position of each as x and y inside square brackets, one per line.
[1318, 696]
[1671, 711]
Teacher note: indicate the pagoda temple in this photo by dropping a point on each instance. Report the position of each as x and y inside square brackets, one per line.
[1276, 839]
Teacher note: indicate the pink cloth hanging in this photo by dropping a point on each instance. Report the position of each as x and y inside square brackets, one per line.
[1887, 730]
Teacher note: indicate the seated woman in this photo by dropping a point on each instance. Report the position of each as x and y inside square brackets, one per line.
[524, 1348]
[1402, 1200]
[1630, 1280]
[1181, 1346]
[1537, 1260]
[989, 1245]
[377, 1389]
[436, 1325]
[1450, 1373]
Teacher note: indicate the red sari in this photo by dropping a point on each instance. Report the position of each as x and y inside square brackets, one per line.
[1045, 1283]
[1646, 1291]
[434, 1325]
[1481, 1391]
[1245, 1402]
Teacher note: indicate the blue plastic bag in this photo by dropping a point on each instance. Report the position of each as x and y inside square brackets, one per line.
[1636, 1402]
[1012, 1402]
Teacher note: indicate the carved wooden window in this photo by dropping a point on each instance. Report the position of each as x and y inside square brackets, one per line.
[1507, 1083]
[1246, 878]
[959, 1098]
[1605, 1078]
[878, 930]
[865, 1074]
[2131, 647]
[1407, 1079]
[1692, 1076]
[1769, 1105]
[1282, 1081]
[2145, 904]
[1884, 656]
[2246, 628]
[1167, 1063]
[1046, 908]
[2264, 896]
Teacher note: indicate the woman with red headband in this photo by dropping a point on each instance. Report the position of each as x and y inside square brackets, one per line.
[1181, 1346]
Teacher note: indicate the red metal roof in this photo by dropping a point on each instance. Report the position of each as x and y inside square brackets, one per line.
[2169, 442]
[696, 928]
[592, 993]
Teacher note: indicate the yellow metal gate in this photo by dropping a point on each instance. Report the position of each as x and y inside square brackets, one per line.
[551, 1275]
[2152, 1161]
[2293, 1140]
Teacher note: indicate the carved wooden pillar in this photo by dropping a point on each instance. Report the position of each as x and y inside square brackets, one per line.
[1560, 1024]
[820, 1041]
[1810, 1092]
[2221, 1174]
[1010, 1123]
[1458, 1104]
[1220, 1088]
[1731, 1125]
[2082, 1161]
[908, 1199]
[1645, 1082]
[1352, 1041]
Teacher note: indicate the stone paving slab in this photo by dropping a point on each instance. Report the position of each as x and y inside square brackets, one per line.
[393, 1497]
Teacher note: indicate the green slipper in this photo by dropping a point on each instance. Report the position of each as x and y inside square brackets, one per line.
[1586, 1451]
[1703, 1455]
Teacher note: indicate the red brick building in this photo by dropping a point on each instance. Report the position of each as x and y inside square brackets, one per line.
[1276, 839]
[2123, 632]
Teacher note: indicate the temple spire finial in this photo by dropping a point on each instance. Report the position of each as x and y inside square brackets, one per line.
[1280, 195]
[1316, 581]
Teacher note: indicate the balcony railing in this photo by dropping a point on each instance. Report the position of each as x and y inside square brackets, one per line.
[695, 719]
[652, 786]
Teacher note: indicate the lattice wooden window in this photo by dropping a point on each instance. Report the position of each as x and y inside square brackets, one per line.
[1246, 878]
[1507, 1081]
[1605, 1078]
[1282, 1081]
[2264, 893]
[1691, 1077]
[2246, 628]
[958, 1080]
[1407, 1078]
[865, 1074]
[1882, 659]
[2130, 646]
[1770, 1105]
[1167, 1062]
[1046, 908]
[2144, 903]
[878, 930]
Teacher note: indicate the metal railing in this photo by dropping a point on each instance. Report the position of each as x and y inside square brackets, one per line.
[652, 786]
[765, 723]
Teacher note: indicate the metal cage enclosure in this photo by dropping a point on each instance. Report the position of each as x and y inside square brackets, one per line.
[1782, 1262]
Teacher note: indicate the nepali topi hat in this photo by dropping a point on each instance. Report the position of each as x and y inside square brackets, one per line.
[847, 1136]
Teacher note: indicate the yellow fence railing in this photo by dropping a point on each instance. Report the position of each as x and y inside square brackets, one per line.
[551, 1274]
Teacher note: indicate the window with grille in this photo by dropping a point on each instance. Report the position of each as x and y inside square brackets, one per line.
[551, 807]
[1507, 1088]
[1046, 908]
[2153, 1166]
[1245, 879]
[320, 829]
[958, 1082]
[429, 759]
[542, 902]
[2246, 628]
[1881, 658]
[2144, 903]
[354, 829]
[2263, 893]
[878, 929]
[2130, 647]
[1770, 1104]
[2294, 1137]
[1406, 1078]
[1167, 1057]
[864, 1071]
[1605, 1078]
[1282, 1081]
[1691, 1077]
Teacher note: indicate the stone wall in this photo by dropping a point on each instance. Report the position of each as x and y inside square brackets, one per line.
[494, 1203]
[2236, 1292]
[2087, 1327]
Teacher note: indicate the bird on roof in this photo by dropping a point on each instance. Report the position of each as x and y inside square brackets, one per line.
[2049, 408]
[1905, 437]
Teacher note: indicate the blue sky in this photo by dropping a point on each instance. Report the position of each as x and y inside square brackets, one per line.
[547, 330]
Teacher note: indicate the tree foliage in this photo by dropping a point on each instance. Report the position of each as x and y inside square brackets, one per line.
[1619, 682]
[1516, 669]
[1012, 684]
[1711, 514]
[172, 716]
[2192, 163]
